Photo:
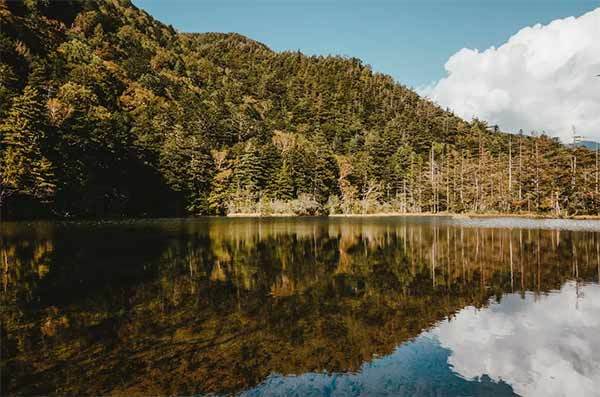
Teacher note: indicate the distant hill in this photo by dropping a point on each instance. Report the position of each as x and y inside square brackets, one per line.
[104, 111]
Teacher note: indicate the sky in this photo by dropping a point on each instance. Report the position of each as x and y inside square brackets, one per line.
[413, 41]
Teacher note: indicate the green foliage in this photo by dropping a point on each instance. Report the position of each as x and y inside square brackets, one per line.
[187, 167]
[25, 168]
[285, 182]
[123, 116]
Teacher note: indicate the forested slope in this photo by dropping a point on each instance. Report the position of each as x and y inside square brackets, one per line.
[105, 111]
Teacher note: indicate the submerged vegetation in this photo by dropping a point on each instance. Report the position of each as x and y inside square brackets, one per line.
[105, 111]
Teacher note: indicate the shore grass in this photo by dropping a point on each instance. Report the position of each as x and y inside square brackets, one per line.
[426, 214]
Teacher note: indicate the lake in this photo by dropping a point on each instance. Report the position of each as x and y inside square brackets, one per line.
[404, 306]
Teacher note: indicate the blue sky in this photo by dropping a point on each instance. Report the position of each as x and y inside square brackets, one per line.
[410, 40]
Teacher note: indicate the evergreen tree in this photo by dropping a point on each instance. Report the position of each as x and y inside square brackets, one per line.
[249, 171]
[220, 192]
[285, 189]
[187, 167]
[25, 167]
[325, 170]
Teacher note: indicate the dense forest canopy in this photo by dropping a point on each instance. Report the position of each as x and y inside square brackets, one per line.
[105, 111]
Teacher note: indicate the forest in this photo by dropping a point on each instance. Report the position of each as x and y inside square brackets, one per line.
[106, 112]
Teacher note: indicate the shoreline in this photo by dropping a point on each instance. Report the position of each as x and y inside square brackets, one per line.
[455, 216]
[419, 214]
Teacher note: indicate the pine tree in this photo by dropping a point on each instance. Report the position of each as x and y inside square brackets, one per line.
[188, 168]
[251, 172]
[25, 168]
[220, 191]
[285, 184]
[325, 171]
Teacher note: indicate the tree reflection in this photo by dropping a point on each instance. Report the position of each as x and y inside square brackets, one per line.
[218, 305]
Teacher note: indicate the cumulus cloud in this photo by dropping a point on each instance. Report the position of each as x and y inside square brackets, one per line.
[546, 346]
[542, 78]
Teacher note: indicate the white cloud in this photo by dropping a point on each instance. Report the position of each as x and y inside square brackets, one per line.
[542, 347]
[542, 78]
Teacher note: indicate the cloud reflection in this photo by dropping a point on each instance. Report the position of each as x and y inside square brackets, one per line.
[536, 345]
[546, 345]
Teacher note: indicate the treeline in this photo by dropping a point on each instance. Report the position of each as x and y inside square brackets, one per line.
[106, 112]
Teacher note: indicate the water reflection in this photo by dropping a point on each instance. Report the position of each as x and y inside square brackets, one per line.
[545, 345]
[542, 345]
[211, 305]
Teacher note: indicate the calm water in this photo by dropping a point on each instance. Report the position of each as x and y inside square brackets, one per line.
[305, 307]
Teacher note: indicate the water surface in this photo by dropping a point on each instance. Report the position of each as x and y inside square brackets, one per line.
[301, 306]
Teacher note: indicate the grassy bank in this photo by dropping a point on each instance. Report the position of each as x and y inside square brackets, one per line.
[425, 214]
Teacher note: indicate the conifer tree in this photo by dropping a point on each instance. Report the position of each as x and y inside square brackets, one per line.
[26, 169]
[285, 184]
[220, 191]
[187, 167]
[251, 172]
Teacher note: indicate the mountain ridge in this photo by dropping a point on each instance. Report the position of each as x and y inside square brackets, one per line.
[122, 115]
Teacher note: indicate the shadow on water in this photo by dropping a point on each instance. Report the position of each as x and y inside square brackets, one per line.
[285, 306]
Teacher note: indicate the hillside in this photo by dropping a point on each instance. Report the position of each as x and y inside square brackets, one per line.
[105, 111]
